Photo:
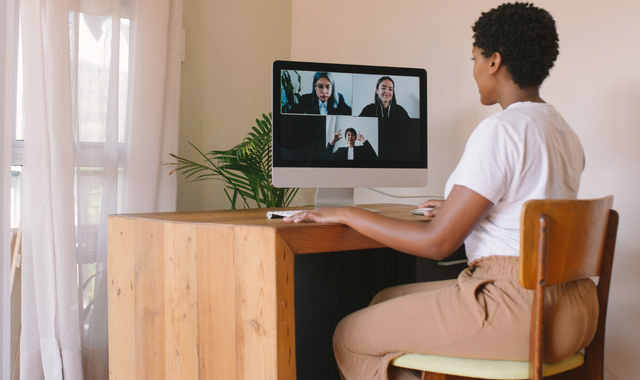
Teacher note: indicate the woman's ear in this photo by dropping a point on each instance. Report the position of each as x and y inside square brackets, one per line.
[496, 63]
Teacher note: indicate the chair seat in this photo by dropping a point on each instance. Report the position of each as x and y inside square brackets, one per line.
[483, 369]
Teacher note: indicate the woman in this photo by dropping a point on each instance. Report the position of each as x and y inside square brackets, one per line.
[384, 102]
[351, 151]
[526, 151]
[323, 99]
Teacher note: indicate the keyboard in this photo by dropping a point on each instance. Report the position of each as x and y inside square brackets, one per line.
[282, 214]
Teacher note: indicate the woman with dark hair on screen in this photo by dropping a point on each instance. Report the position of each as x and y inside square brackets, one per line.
[384, 102]
[524, 151]
[351, 152]
[324, 99]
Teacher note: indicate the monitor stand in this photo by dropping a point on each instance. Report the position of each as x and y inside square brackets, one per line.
[334, 197]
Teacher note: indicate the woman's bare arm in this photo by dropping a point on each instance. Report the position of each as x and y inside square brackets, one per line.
[456, 218]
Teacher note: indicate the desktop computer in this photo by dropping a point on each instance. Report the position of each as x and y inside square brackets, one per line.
[337, 127]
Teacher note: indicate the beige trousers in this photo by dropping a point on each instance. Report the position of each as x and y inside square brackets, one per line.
[484, 314]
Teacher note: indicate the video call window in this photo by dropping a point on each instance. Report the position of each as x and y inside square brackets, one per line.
[345, 119]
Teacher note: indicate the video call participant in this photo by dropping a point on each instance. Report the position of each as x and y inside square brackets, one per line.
[384, 102]
[352, 152]
[524, 151]
[395, 126]
[324, 99]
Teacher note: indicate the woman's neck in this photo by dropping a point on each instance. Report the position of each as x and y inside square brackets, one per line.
[515, 94]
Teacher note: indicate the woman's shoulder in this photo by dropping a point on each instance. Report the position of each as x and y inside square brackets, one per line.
[306, 98]
[525, 111]
[369, 110]
[515, 124]
[343, 108]
[341, 99]
[400, 111]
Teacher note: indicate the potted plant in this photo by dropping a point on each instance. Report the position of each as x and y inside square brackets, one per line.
[245, 170]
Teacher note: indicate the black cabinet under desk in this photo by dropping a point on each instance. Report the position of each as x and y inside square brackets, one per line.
[329, 286]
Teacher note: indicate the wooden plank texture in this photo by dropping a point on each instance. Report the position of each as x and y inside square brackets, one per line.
[120, 261]
[256, 323]
[149, 299]
[216, 302]
[181, 286]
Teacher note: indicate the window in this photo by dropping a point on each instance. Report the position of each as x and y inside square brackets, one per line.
[94, 54]
[100, 108]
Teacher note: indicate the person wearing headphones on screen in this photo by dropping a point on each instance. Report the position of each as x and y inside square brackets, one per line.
[525, 151]
[384, 102]
[351, 151]
[324, 99]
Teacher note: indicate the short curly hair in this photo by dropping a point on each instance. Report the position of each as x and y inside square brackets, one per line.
[524, 35]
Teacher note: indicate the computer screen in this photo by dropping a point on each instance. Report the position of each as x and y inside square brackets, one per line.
[337, 127]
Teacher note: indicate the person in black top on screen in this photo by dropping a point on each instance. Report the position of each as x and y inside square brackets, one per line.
[352, 152]
[385, 104]
[324, 99]
[396, 128]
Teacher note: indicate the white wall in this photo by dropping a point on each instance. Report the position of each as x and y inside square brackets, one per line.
[595, 85]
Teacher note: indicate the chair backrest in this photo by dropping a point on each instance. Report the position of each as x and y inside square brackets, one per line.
[567, 240]
[576, 231]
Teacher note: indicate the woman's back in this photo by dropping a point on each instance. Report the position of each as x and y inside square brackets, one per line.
[526, 151]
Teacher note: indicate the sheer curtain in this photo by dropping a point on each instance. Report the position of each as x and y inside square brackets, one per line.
[101, 97]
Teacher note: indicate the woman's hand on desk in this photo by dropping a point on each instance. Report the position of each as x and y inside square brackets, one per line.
[320, 215]
[435, 205]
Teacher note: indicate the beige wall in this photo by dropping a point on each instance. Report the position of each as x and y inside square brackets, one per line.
[595, 85]
[226, 79]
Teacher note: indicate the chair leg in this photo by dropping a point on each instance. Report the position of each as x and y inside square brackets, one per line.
[432, 376]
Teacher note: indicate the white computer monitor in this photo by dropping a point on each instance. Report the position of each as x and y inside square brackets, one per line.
[390, 148]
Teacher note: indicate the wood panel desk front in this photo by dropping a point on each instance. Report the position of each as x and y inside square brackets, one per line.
[210, 295]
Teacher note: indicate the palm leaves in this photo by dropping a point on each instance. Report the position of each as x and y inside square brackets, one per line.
[245, 169]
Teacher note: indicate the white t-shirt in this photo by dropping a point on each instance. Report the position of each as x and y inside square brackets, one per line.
[526, 151]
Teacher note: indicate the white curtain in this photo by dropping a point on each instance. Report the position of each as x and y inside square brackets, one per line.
[101, 101]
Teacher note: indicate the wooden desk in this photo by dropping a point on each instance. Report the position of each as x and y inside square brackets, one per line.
[210, 295]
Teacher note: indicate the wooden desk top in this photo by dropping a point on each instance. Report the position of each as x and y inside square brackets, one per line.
[301, 237]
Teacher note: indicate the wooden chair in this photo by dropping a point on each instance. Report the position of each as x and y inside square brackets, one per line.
[561, 241]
